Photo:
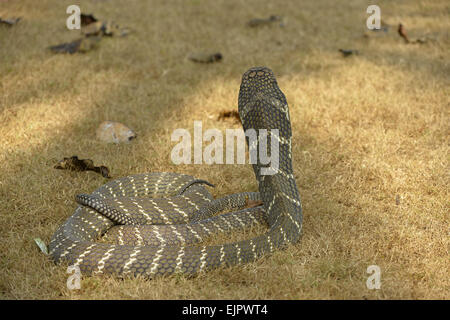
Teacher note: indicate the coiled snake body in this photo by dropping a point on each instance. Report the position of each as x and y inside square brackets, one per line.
[157, 219]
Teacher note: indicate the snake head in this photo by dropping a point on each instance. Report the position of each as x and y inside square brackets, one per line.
[264, 114]
[259, 89]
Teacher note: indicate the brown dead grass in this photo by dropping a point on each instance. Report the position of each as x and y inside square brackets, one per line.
[367, 130]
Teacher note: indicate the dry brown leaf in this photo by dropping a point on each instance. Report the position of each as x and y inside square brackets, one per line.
[233, 114]
[87, 19]
[263, 22]
[348, 52]
[10, 21]
[402, 32]
[78, 45]
[75, 164]
[205, 57]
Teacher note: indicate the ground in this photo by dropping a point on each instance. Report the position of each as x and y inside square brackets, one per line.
[370, 138]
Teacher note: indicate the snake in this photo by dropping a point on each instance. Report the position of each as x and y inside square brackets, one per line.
[154, 224]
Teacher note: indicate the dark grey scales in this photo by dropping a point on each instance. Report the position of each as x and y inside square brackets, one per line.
[127, 209]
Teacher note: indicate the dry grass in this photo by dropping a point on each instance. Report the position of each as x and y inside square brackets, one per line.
[367, 130]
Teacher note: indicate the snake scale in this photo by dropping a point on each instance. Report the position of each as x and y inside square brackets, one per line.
[156, 221]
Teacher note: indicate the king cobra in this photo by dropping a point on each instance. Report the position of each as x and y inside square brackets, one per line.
[153, 224]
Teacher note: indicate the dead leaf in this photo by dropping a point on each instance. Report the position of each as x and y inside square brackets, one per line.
[75, 164]
[205, 57]
[68, 47]
[79, 45]
[10, 21]
[233, 114]
[87, 19]
[346, 52]
[111, 28]
[104, 28]
[92, 29]
[402, 32]
[267, 21]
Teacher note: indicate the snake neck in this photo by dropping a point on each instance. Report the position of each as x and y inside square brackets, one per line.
[263, 106]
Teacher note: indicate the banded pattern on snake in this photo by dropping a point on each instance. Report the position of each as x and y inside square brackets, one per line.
[157, 219]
